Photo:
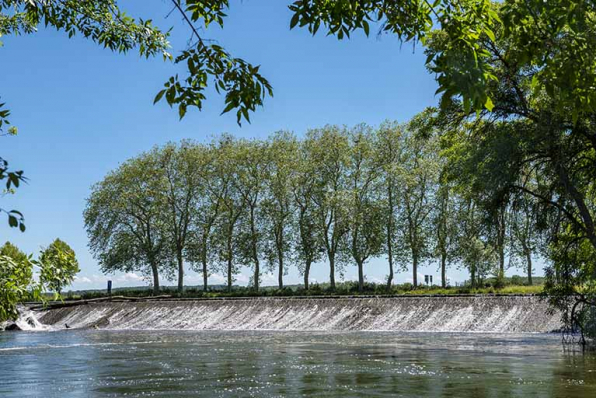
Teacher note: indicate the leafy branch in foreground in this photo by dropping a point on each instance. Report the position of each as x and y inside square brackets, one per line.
[244, 87]
[13, 178]
[103, 22]
[462, 66]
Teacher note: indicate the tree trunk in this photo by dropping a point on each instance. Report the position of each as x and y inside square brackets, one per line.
[473, 276]
[306, 273]
[579, 200]
[205, 287]
[390, 276]
[501, 242]
[204, 242]
[230, 256]
[415, 270]
[155, 277]
[229, 274]
[360, 276]
[502, 264]
[501, 275]
[443, 270]
[529, 263]
[256, 275]
[280, 276]
[332, 272]
[255, 254]
[180, 271]
[389, 239]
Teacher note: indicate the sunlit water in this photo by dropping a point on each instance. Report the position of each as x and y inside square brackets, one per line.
[101, 363]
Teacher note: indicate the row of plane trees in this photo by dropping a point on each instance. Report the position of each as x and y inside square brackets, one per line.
[337, 195]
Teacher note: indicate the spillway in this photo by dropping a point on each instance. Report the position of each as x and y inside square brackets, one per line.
[499, 314]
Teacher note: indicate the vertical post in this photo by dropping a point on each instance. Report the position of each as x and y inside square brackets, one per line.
[109, 288]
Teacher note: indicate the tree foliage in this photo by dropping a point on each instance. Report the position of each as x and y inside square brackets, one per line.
[339, 195]
[531, 160]
[106, 24]
[124, 224]
[57, 267]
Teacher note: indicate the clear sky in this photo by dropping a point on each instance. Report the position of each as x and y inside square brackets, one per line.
[81, 110]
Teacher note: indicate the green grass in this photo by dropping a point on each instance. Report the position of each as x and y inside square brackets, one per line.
[513, 289]
[342, 289]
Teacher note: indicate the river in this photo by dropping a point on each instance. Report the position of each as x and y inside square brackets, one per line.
[216, 363]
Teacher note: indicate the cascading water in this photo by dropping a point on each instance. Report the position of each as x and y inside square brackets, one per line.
[28, 321]
[503, 314]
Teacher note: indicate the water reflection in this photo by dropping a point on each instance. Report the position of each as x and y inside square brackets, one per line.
[165, 364]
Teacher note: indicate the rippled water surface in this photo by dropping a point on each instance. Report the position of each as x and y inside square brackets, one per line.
[95, 363]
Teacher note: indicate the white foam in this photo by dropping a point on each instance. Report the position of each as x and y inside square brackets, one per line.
[28, 321]
[425, 314]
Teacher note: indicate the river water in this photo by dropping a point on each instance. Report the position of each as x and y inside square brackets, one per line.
[107, 363]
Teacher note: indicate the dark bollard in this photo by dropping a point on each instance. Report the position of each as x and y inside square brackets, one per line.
[109, 288]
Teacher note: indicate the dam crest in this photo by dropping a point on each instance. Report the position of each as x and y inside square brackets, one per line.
[498, 314]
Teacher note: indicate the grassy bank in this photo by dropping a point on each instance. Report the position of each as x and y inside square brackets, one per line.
[346, 288]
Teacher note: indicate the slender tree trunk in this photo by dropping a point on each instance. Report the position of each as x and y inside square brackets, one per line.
[204, 261]
[473, 276]
[360, 276]
[280, 276]
[180, 270]
[579, 200]
[501, 275]
[332, 271]
[280, 257]
[501, 242]
[257, 265]
[306, 274]
[389, 239]
[529, 263]
[205, 286]
[230, 255]
[229, 273]
[255, 254]
[155, 277]
[257, 275]
[443, 270]
[415, 269]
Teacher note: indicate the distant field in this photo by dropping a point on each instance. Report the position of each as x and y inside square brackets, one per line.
[346, 288]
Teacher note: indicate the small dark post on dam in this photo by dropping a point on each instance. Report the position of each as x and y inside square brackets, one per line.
[109, 288]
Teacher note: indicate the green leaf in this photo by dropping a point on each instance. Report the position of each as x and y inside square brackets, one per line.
[490, 34]
[159, 96]
[489, 104]
[294, 20]
[366, 27]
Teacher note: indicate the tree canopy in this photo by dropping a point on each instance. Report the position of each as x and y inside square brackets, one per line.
[472, 42]
[57, 267]
[342, 195]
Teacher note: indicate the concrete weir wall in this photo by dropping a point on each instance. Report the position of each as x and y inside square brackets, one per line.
[502, 314]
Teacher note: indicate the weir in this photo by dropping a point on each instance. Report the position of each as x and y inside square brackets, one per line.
[499, 314]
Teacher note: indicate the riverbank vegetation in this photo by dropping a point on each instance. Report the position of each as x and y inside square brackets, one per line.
[55, 268]
[340, 195]
[348, 289]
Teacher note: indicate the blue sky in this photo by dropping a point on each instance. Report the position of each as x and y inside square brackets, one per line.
[81, 110]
